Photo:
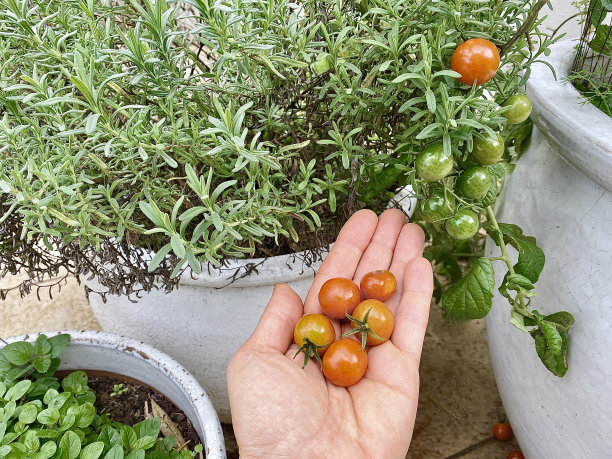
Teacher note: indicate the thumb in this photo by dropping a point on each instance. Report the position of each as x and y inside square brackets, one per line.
[274, 331]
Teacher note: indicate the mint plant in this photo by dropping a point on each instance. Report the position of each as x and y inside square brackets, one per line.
[43, 417]
[139, 138]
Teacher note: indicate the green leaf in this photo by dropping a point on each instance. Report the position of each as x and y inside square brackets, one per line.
[518, 320]
[85, 414]
[556, 363]
[42, 363]
[145, 442]
[518, 280]
[531, 257]
[18, 353]
[116, 452]
[137, 454]
[17, 391]
[93, 450]
[70, 446]
[58, 343]
[28, 414]
[550, 332]
[159, 256]
[75, 382]
[177, 245]
[48, 416]
[47, 450]
[562, 318]
[471, 297]
[42, 345]
[128, 436]
[149, 427]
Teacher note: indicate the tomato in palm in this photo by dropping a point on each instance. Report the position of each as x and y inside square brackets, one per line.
[373, 317]
[488, 150]
[339, 296]
[463, 225]
[515, 455]
[520, 111]
[438, 206]
[474, 182]
[313, 334]
[380, 285]
[502, 431]
[432, 164]
[476, 60]
[345, 363]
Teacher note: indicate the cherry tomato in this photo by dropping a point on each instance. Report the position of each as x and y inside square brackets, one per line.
[515, 455]
[438, 206]
[345, 363]
[339, 296]
[432, 164]
[474, 182]
[317, 329]
[488, 150]
[502, 431]
[463, 225]
[379, 285]
[380, 321]
[476, 60]
[520, 111]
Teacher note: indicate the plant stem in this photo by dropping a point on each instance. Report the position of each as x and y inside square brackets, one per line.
[533, 15]
[502, 245]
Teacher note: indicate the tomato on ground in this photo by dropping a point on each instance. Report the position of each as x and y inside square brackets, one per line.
[380, 285]
[345, 363]
[474, 182]
[463, 225]
[520, 111]
[502, 431]
[432, 164]
[515, 455]
[339, 296]
[488, 150]
[476, 60]
[379, 322]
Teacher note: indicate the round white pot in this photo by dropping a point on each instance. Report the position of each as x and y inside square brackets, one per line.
[204, 322]
[95, 350]
[561, 193]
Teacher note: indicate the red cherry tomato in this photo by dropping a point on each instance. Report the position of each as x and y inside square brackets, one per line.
[345, 363]
[476, 60]
[380, 321]
[317, 329]
[379, 285]
[339, 296]
[515, 455]
[502, 431]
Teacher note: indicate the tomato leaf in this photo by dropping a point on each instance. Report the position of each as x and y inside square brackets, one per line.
[556, 363]
[531, 257]
[471, 297]
[550, 332]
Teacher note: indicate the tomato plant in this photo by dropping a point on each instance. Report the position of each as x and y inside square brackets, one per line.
[463, 225]
[476, 60]
[515, 455]
[432, 164]
[474, 182]
[438, 206]
[520, 108]
[313, 334]
[379, 285]
[372, 322]
[345, 363]
[502, 431]
[488, 150]
[339, 296]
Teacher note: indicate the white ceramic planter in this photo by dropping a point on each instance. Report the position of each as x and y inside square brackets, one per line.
[561, 193]
[204, 322]
[94, 350]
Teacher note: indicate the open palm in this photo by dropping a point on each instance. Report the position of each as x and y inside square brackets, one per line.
[280, 410]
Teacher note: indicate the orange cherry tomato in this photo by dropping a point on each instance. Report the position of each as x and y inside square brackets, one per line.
[380, 321]
[317, 329]
[379, 285]
[515, 455]
[339, 296]
[502, 431]
[476, 60]
[345, 363]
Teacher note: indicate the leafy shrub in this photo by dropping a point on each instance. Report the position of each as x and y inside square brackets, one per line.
[42, 417]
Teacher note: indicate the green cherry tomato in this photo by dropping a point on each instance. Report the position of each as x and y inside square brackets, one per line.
[474, 182]
[322, 64]
[463, 225]
[432, 164]
[488, 150]
[520, 111]
[438, 206]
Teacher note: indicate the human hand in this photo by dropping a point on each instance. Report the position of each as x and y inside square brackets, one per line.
[281, 410]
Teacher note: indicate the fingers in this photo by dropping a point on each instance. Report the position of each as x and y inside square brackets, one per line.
[413, 312]
[344, 256]
[274, 332]
[379, 253]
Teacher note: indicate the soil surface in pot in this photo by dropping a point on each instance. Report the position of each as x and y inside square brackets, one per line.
[130, 407]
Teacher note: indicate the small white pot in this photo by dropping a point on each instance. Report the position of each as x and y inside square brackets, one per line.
[95, 350]
[204, 322]
[561, 193]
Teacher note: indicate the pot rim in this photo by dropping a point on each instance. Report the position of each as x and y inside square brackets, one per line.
[578, 130]
[211, 427]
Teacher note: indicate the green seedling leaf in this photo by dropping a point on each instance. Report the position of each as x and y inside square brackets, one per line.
[75, 382]
[137, 454]
[42, 345]
[47, 450]
[149, 427]
[116, 452]
[70, 446]
[48, 416]
[93, 450]
[58, 343]
[471, 297]
[42, 363]
[18, 353]
[17, 391]
[28, 414]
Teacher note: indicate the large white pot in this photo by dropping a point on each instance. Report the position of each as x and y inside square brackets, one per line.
[561, 193]
[95, 350]
[204, 322]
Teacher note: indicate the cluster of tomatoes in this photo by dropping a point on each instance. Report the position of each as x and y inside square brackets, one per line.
[503, 432]
[477, 60]
[345, 360]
